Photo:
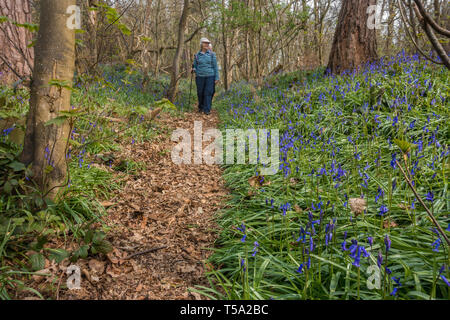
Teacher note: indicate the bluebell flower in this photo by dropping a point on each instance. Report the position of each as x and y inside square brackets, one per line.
[383, 210]
[380, 259]
[353, 248]
[370, 240]
[394, 121]
[394, 292]
[255, 248]
[357, 258]
[242, 228]
[243, 264]
[435, 231]
[393, 163]
[328, 238]
[365, 253]
[311, 244]
[344, 247]
[436, 244]
[445, 280]
[379, 195]
[397, 280]
[429, 196]
[441, 270]
[387, 243]
[300, 269]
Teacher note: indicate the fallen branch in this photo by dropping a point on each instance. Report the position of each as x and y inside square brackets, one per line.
[433, 219]
[144, 252]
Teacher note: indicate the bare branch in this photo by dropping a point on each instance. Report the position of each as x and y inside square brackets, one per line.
[430, 20]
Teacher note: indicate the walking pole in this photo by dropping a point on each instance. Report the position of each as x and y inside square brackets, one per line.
[190, 91]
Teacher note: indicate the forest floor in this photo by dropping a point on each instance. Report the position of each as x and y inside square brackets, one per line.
[162, 224]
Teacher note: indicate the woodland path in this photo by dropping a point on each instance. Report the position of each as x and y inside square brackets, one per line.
[168, 207]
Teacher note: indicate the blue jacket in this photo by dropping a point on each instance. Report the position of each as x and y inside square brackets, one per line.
[205, 64]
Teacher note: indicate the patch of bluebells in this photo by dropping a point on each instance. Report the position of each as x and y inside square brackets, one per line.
[305, 131]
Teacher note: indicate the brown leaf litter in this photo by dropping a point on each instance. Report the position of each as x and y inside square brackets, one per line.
[357, 205]
[162, 225]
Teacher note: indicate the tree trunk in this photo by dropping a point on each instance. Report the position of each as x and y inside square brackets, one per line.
[173, 87]
[15, 53]
[224, 45]
[390, 28]
[158, 51]
[91, 27]
[45, 145]
[354, 43]
[445, 22]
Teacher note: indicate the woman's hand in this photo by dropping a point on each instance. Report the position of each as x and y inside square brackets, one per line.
[217, 81]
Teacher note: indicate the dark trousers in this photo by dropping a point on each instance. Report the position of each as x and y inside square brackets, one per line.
[205, 91]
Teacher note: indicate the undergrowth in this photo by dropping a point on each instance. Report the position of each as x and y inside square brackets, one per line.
[109, 111]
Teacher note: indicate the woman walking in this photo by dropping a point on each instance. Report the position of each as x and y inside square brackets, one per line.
[206, 75]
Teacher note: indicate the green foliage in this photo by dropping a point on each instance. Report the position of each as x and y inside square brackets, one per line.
[94, 242]
[113, 18]
[12, 172]
[32, 27]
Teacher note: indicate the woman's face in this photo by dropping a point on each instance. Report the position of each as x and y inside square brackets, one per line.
[205, 45]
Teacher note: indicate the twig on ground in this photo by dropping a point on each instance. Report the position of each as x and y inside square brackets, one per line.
[144, 252]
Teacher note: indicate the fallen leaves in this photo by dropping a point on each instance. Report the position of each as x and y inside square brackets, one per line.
[258, 181]
[298, 209]
[388, 223]
[97, 266]
[113, 271]
[404, 206]
[161, 221]
[107, 204]
[357, 205]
